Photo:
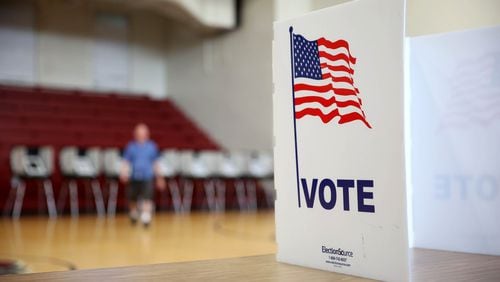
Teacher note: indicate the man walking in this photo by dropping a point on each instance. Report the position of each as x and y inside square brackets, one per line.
[140, 171]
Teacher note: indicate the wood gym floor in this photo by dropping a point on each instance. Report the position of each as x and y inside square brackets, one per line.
[90, 242]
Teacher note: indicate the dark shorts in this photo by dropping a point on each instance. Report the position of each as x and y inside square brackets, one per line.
[140, 190]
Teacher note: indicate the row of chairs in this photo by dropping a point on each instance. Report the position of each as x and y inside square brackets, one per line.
[182, 169]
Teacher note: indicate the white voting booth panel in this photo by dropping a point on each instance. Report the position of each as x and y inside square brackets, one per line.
[455, 133]
[339, 140]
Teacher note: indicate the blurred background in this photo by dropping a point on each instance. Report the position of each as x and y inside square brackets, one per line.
[77, 76]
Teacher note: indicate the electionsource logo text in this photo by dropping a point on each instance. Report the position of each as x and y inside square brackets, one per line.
[337, 251]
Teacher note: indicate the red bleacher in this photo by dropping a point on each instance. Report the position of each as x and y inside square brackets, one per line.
[41, 116]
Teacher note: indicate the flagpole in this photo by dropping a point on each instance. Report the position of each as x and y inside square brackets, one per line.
[294, 117]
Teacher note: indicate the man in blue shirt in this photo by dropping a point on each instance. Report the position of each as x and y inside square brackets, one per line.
[140, 170]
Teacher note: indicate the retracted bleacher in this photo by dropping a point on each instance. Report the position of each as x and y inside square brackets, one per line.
[35, 116]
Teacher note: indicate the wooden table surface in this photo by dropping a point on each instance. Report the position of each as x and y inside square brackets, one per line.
[427, 265]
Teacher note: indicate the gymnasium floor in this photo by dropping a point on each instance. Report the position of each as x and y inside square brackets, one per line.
[89, 242]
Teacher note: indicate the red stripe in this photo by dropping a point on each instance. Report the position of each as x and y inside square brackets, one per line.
[352, 117]
[337, 57]
[327, 102]
[337, 68]
[338, 78]
[345, 91]
[325, 118]
[333, 45]
[325, 88]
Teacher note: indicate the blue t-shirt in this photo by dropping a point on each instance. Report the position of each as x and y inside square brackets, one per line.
[141, 157]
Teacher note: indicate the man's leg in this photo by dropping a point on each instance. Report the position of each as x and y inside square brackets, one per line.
[132, 193]
[133, 212]
[147, 203]
[147, 211]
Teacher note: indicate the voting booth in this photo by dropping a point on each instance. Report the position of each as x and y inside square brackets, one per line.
[353, 103]
[339, 140]
[455, 140]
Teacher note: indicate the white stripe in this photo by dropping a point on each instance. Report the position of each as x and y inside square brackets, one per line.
[329, 109]
[327, 95]
[326, 70]
[318, 82]
[333, 52]
[336, 62]
[314, 82]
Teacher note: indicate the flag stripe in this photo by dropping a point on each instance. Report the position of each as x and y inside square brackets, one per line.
[324, 88]
[326, 118]
[333, 45]
[337, 68]
[338, 78]
[336, 57]
[327, 102]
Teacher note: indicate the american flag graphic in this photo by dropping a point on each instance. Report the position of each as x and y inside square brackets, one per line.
[323, 81]
[475, 93]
